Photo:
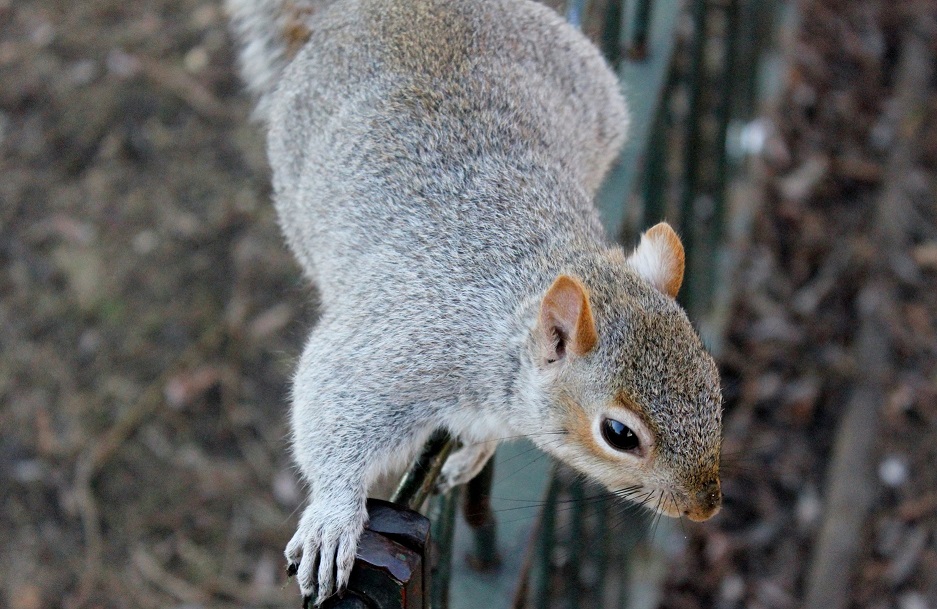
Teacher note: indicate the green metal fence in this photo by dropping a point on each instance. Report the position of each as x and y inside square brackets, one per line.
[693, 75]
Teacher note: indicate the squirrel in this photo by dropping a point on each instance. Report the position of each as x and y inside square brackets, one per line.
[434, 164]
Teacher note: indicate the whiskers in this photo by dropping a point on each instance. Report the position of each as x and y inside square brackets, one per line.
[642, 509]
[742, 463]
[633, 508]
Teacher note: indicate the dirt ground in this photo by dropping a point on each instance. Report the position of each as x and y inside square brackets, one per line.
[150, 316]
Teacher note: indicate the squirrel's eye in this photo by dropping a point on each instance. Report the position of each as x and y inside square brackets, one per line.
[618, 435]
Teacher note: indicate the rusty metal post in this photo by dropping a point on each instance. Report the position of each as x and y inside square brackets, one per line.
[391, 566]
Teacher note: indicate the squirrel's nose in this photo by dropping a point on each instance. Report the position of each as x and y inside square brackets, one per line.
[709, 496]
[708, 499]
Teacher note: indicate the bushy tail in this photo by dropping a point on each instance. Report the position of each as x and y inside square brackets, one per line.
[269, 33]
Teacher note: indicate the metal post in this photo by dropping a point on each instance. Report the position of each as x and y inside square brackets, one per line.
[418, 482]
[654, 182]
[443, 518]
[611, 30]
[576, 498]
[477, 511]
[637, 50]
[692, 159]
[729, 76]
[602, 557]
[546, 543]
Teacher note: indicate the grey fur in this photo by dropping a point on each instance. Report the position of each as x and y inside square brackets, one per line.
[434, 164]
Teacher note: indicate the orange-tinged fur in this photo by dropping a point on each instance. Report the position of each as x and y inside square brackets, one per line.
[664, 234]
[295, 32]
[566, 304]
[580, 429]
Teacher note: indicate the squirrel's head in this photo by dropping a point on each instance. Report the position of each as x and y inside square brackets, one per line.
[627, 382]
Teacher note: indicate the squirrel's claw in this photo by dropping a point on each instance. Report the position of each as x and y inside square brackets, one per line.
[322, 552]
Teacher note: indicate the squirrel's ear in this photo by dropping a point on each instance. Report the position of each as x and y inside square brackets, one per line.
[659, 259]
[566, 320]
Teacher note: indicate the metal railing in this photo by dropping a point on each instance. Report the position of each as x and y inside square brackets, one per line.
[692, 101]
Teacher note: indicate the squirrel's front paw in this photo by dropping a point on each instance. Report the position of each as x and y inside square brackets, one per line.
[464, 464]
[322, 552]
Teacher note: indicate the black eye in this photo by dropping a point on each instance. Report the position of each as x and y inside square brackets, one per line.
[619, 435]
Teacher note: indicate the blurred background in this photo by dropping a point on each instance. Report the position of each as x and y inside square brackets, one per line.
[150, 316]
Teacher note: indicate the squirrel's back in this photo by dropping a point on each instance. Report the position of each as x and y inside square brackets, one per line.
[429, 128]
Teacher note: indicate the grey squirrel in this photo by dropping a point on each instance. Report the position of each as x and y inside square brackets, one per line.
[434, 165]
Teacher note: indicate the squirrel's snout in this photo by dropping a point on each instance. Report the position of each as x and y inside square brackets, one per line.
[707, 501]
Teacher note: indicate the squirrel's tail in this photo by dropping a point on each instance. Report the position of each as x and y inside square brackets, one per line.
[269, 33]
